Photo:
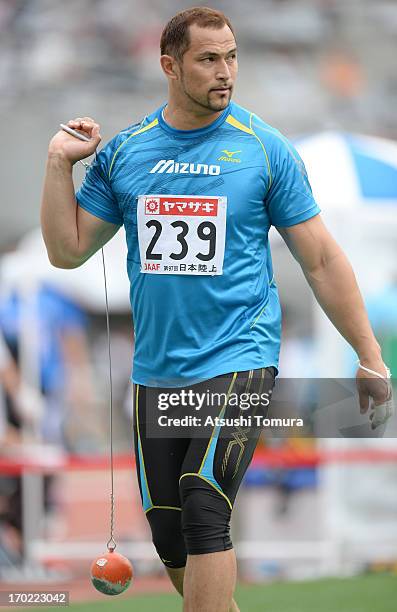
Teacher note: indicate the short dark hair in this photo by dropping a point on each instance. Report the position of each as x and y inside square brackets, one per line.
[175, 38]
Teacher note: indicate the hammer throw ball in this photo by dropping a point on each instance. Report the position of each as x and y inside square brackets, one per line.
[111, 573]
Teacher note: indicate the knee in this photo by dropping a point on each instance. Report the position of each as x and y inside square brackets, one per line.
[165, 525]
[205, 517]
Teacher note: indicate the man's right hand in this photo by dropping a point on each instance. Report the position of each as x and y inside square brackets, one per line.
[71, 233]
[72, 149]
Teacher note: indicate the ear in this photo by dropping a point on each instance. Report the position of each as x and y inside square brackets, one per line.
[170, 66]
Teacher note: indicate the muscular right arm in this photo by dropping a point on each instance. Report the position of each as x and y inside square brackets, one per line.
[71, 234]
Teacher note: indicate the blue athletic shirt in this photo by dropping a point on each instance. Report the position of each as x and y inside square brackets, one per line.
[197, 206]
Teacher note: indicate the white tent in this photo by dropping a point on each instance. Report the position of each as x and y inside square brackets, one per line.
[28, 267]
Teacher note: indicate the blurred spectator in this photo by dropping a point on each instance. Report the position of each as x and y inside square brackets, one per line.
[64, 368]
[64, 372]
[26, 408]
[342, 74]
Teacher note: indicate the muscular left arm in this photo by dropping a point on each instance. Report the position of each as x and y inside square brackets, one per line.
[334, 285]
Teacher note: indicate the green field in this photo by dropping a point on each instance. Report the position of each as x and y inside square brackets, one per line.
[373, 593]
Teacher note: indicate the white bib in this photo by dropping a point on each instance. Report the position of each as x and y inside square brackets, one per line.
[181, 234]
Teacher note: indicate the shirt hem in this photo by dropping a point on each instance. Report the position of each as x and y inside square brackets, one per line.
[304, 216]
[226, 369]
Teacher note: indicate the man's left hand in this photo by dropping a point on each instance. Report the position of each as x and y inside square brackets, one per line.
[376, 394]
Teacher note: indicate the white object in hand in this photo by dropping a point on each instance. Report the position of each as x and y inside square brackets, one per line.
[74, 133]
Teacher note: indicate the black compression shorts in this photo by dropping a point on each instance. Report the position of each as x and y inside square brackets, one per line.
[190, 470]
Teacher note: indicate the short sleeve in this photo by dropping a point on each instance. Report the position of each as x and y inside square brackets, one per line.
[290, 199]
[95, 194]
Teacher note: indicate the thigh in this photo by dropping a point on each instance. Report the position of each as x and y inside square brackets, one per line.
[222, 458]
[158, 460]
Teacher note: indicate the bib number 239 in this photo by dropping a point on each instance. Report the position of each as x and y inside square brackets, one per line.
[181, 234]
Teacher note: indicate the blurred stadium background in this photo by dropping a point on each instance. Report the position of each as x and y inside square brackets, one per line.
[323, 72]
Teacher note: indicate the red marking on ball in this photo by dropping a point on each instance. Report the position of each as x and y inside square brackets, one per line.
[111, 573]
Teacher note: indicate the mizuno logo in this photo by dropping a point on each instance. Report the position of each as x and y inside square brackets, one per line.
[230, 153]
[228, 157]
[170, 166]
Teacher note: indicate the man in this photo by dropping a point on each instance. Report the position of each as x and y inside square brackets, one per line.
[197, 185]
[20, 406]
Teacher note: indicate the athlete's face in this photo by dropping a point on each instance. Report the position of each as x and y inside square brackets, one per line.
[208, 68]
